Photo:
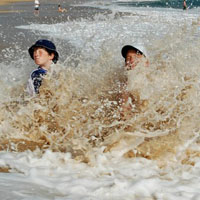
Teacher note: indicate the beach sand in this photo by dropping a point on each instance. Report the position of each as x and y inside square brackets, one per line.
[4, 2]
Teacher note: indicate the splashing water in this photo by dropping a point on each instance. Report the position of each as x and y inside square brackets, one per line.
[79, 106]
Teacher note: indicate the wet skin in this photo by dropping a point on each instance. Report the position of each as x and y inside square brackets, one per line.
[132, 59]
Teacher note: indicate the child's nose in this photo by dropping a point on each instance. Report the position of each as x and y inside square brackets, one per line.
[131, 60]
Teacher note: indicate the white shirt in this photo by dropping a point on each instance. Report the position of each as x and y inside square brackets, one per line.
[36, 74]
[37, 3]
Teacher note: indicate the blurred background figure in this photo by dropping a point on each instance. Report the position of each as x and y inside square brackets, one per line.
[184, 5]
[37, 6]
[60, 9]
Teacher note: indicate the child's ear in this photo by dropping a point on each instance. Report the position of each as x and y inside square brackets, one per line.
[52, 55]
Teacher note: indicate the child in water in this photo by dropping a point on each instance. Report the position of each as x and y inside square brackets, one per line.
[44, 53]
[61, 9]
[133, 57]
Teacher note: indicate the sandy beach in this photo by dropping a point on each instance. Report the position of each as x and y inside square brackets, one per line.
[4, 2]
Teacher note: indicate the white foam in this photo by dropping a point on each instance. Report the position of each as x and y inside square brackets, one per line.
[136, 29]
[56, 176]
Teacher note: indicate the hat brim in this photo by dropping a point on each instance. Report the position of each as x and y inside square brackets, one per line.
[126, 48]
[31, 50]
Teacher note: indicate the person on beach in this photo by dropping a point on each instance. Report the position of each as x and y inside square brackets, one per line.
[184, 5]
[44, 53]
[37, 6]
[133, 57]
[60, 9]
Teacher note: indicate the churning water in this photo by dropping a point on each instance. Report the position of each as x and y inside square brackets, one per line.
[78, 111]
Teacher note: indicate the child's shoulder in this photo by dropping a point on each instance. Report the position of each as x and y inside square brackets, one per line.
[38, 72]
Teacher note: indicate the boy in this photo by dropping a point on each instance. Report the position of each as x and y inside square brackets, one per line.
[44, 53]
[133, 56]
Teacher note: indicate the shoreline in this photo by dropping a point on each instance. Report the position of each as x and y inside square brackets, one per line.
[7, 5]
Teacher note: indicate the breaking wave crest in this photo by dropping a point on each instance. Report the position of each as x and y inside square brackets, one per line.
[79, 110]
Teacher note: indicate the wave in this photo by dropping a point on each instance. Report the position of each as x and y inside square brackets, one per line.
[79, 111]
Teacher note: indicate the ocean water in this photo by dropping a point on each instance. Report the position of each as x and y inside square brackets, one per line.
[82, 147]
[177, 4]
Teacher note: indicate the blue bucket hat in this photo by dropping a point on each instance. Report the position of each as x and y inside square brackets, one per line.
[48, 45]
[126, 48]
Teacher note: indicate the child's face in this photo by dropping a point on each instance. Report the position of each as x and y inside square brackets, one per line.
[132, 59]
[42, 57]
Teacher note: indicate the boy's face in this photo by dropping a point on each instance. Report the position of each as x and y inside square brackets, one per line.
[132, 59]
[42, 57]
